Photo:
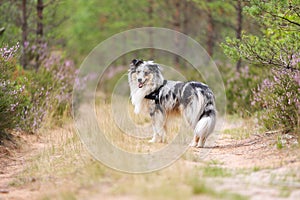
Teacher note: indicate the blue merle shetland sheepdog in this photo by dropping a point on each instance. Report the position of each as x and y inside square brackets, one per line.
[193, 100]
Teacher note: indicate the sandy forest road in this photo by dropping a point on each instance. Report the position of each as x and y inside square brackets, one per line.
[262, 170]
[252, 167]
[14, 158]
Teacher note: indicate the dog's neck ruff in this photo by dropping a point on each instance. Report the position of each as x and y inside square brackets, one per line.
[155, 94]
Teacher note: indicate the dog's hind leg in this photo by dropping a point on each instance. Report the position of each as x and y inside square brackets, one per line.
[194, 143]
[158, 123]
[203, 129]
[201, 141]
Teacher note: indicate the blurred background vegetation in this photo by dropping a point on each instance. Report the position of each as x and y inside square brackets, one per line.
[255, 45]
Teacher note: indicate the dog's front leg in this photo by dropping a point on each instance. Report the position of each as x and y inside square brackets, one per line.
[158, 123]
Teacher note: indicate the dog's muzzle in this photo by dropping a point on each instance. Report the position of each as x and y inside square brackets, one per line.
[140, 83]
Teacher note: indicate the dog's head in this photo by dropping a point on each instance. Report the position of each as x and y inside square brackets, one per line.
[145, 73]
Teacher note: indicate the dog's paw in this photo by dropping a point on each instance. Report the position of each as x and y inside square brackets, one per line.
[193, 144]
[201, 142]
[153, 140]
[163, 141]
[200, 145]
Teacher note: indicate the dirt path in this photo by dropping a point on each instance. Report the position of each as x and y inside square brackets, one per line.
[253, 167]
[262, 170]
[13, 161]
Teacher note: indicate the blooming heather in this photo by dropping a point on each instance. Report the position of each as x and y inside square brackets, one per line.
[279, 97]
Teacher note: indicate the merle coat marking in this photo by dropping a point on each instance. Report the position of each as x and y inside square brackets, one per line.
[194, 100]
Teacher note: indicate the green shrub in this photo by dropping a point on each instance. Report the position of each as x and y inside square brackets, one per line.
[279, 100]
[51, 93]
[13, 96]
[28, 99]
[239, 90]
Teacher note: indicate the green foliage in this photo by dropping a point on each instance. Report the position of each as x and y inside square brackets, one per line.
[279, 143]
[279, 39]
[27, 98]
[13, 97]
[238, 90]
[93, 21]
[201, 188]
[279, 97]
[277, 47]
[12, 31]
[12, 18]
[218, 8]
[213, 171]
[48, 91]
[54, 84]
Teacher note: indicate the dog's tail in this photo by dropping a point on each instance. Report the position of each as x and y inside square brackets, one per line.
[199, 110]
[205, 126]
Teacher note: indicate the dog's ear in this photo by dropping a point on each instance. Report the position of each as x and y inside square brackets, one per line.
[136, 62]
[155, 66]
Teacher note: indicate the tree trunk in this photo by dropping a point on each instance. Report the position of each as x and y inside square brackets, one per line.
[186, 17]
[39, 31]
[124, 43]
[210, 33]
[150, 15]
[40, 26]
[239, 10]
[24, 59]
[176, 24]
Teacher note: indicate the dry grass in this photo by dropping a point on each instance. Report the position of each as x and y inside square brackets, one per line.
[240, 129]
[61, 167]
[118, 123]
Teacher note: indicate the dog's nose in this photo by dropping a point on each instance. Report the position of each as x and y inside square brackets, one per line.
[139, 80]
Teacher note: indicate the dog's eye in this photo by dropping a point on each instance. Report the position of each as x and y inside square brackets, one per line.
[146, 73]
[138, 71]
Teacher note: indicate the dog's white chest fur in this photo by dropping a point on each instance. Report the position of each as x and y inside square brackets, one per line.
[137, 97]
